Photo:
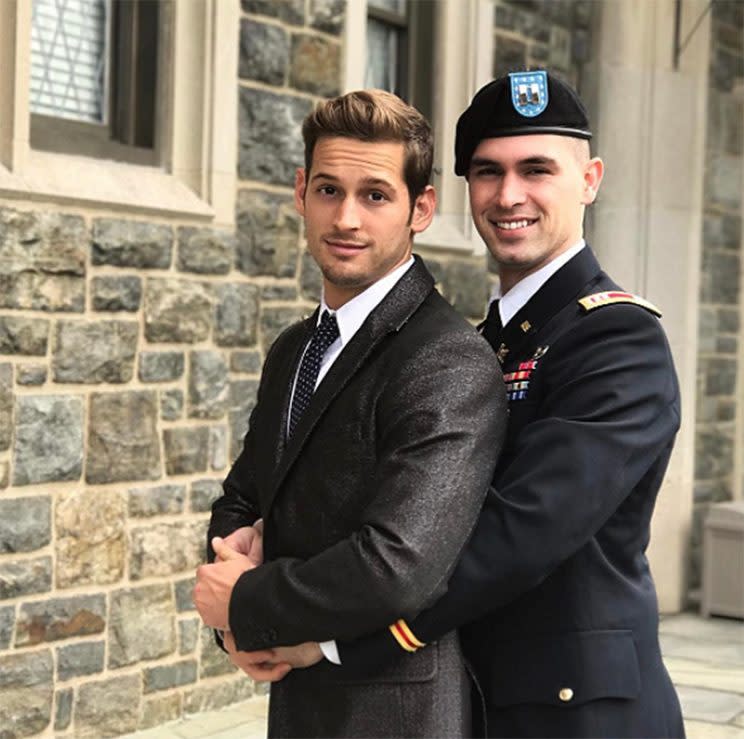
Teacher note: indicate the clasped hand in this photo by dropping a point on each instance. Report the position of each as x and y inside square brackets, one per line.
[235, 554]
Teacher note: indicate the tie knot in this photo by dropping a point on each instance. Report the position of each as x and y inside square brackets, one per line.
[493, 313]
[326, 332]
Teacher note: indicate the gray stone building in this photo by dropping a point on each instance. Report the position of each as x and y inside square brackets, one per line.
[150, 253]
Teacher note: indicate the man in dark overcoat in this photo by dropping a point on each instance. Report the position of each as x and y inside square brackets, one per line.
[370, 448]
[553, 595]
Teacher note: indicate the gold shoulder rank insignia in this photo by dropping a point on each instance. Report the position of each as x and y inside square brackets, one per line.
[598, 300]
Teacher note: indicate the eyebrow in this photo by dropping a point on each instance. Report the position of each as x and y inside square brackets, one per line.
[369, 181]
[484, 161]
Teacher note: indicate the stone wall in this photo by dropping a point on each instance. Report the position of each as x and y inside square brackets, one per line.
[719, 329]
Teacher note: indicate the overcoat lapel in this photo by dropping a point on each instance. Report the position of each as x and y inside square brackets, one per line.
[388, 317]
[562, 287]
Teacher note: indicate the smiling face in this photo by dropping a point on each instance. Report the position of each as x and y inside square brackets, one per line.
[527, 197]
[359, 222]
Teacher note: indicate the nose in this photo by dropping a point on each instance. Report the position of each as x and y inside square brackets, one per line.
[511, 192]
[347, 215]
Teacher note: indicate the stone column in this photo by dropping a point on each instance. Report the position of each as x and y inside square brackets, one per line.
[650, 130]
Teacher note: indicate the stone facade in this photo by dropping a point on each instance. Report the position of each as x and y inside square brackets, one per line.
[717, 444]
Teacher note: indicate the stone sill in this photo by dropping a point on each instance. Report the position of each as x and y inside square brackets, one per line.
[447, 232]
[98, 183]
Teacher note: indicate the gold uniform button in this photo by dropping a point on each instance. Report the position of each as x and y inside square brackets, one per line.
[565, 694]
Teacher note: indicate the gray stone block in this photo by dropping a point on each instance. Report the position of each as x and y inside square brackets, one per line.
[290, 11]
[25, 577]
[205, 251]
[583, 13]
[6, 405]
[112, 293]
[158, 501]
[270, 139]
[171, 404]
[26, 691]
[31, 375]
[721, 376]
[186, 450]
[163, 677]
[25, 524]
[63, 714]
[722, 267]
[7, 622]
[466, 287]
[208, 385]
[315, 65]
[160, 710]
[311, 278]
[188, 635]
[142, 624]
[94, 352]
[42, 261]
[213, 660]
[107, 708]
[328, 15]
[60, 618]
[153, 550]
[218, 447]
[48, 439]
[268, 229]
[23, 335]
[213, 697]
[275, 319]
[183, 590]
[137, 244]
[161, 366]
[177, 311]
[248, 362]
[284, 293]
[74, 660]
[509, 54]
[91, 541]
[122, 437]
[204, 493]
[714, 454]
[533, 26]
[236, 315]
[4, 475]
[264, 52]
[728, 320]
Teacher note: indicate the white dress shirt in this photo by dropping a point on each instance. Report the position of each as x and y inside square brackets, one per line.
[514, 300]
[350, 317]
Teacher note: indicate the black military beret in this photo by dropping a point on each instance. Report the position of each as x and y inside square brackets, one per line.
[517, 104]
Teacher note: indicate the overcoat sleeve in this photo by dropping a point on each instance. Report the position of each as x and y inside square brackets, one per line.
[441, 418]
[609, 411]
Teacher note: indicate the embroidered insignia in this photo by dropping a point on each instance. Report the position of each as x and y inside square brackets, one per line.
[501, 353]
[525, 326]
[590, 302]
[529, 92]
[540, 352]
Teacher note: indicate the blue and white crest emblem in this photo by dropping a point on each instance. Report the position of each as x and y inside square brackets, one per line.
[529, 92]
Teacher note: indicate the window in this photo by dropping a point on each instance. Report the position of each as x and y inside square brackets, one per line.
[94, 77]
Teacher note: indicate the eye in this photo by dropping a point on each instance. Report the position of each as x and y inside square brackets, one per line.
[327, 190]
[377, 197]
[487, 171]
[537, 171]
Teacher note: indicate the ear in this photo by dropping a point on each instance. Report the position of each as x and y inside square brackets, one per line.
[423, 210]
[299, 191]
[593, 172]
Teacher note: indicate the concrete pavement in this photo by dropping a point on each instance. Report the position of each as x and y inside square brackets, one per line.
[705, 658]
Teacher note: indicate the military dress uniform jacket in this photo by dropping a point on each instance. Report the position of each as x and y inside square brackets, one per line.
[554, 588]
[366, 509]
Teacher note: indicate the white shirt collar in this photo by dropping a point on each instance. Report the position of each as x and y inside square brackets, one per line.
[350, 316]
[511, 303]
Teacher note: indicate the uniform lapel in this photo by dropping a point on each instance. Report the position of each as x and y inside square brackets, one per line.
[388, 317]
[562, 287]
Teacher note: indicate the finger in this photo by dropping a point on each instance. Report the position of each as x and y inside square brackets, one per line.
[223, 551]
[267, 672]
[259, 526]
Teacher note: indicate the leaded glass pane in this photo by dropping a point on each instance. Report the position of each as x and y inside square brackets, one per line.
[69, 49]
[382, 55]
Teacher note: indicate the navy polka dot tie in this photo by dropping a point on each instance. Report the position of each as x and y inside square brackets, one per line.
[326, 332]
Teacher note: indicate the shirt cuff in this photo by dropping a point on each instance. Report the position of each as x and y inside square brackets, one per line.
[330, 651]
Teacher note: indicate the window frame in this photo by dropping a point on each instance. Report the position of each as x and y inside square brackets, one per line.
[462, 64]
[197, 137]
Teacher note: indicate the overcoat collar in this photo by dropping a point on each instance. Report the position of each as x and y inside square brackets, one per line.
[557, 292]
[388, 317]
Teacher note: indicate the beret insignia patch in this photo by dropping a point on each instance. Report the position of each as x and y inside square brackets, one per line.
[529, 92]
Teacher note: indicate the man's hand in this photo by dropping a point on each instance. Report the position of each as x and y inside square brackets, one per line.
[301, 655]
[214, 584]
[261, 665]
[248, 540]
